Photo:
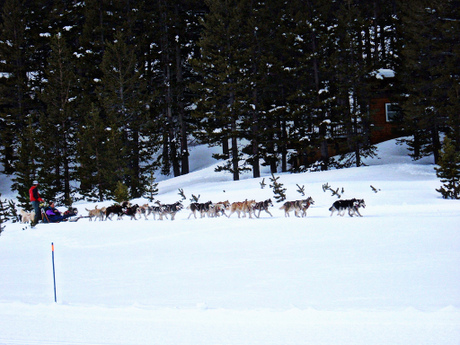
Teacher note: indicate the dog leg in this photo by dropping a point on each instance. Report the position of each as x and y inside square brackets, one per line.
[356, 211]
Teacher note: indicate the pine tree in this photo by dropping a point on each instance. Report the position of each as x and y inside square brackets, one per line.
[96, 160]
[25, 165]
[14, 87]
[249, 84]
[58, 122]
[220, 104]
[242, 91]
[152, 188]
[121, 94]
[89, 49]
[12, 212]
[278, 190]
[449, 170]
[121, 192]
[3, 214]
[429, 70]
[351, 84]
[266, 81]
[177, 30]
[309, 100]
[446, 91]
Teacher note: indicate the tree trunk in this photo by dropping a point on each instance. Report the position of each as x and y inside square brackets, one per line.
[184, 154]
[255, 140]
[235, 160]
[436, 143]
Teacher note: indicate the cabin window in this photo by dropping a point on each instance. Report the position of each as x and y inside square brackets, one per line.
[392, 111]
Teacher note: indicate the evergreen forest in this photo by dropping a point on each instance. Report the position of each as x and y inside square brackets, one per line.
[94, 93]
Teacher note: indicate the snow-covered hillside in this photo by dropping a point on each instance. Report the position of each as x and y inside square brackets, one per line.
[390, 277]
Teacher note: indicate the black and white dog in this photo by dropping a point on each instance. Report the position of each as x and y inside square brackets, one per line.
[171, 209]
[262, 206]
[117, 209]
[352, 205]
[201, 208]
[132, 211]
[147, 210]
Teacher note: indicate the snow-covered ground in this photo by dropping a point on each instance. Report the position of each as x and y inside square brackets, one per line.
[390, 277]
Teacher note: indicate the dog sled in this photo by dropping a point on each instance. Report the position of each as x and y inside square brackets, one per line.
[45, 219]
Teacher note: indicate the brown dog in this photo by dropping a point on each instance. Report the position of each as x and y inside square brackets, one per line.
[242, 207]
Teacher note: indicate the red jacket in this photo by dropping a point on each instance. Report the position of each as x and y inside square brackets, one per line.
[33, 194]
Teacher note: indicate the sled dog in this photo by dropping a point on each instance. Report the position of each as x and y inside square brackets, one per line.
[131, 211]
[262, 206]
[27, 217]
[156, 211]
[147, 210]
[242, 207]
[201, 208]
[352, 205]
[299, 207]
[219, 208]
[119, 210]
[114, 209]
[96, 213]
[171, 209]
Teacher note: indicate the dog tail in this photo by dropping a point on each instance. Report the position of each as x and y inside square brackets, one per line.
[330, 208]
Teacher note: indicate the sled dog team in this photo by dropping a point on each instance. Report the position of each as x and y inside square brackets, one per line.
[223, 208]
[210, 209]
[126, 209]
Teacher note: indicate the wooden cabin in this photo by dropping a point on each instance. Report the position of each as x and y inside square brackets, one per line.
[384, 112]
[384, 116]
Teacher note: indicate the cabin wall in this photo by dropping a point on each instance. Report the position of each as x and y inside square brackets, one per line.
[381, 129]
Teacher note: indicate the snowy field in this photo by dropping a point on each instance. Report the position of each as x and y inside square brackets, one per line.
[390, 277]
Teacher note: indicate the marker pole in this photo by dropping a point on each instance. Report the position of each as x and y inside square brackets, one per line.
[54, 273]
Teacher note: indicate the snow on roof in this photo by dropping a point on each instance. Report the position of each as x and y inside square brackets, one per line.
[383, 73]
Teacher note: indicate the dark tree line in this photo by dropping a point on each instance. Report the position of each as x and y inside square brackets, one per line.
[98, 92]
